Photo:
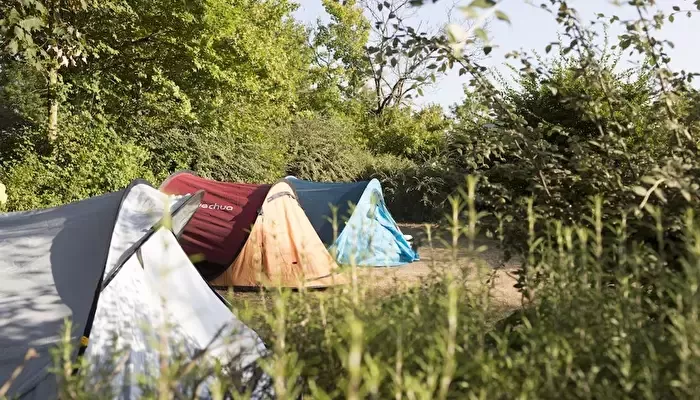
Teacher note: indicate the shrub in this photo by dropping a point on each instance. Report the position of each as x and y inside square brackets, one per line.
[85, 161]
[415, 192]
[324, 149]
[226, 155]
[402, 132]
[575, 129]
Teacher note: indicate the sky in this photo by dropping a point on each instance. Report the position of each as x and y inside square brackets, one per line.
[532, 28]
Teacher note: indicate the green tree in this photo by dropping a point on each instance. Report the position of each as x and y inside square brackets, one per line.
[378, 52]
[340, 67]
[86, 160]
[325, 148]
[46, 36]
[198, 83]
[564, 105]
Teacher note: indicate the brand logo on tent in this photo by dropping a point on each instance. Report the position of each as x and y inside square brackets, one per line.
[216, 206]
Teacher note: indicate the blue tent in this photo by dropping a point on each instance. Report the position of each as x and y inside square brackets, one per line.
[365, 233]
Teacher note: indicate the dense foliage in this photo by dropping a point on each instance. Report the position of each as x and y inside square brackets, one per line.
[588, 171]
[210, 86]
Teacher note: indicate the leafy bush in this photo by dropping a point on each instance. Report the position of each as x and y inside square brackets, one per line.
[20, 95]
[402, 132]
[85, 161]
[576, 128]
[415, 192]
[324, 149]
[227, 155]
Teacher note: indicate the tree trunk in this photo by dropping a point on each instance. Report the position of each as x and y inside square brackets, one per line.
[53, 104]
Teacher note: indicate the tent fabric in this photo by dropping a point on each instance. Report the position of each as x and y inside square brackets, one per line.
[168, 294]
[54, 264]
[220, 227]
[283, 249]
[324, 201]
[369, 236]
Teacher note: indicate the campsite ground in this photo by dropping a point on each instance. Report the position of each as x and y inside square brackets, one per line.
[435, 255]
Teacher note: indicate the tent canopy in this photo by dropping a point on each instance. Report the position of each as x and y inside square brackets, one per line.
[283, 249]
[319, 200]
[221, 225]
[100, 262]
[367, 233]
[253, 235]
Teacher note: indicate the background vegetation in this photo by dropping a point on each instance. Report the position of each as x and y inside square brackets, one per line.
[588, 170]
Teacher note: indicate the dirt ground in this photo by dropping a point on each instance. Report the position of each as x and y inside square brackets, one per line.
[435, 255]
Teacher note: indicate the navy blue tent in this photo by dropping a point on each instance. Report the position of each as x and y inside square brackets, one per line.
[366, 234]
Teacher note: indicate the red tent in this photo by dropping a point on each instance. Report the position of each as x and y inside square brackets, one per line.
[220, 227]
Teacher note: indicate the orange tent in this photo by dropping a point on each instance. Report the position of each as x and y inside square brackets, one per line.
[283, 249]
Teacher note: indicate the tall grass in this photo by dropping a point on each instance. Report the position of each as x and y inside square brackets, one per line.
[583, 332]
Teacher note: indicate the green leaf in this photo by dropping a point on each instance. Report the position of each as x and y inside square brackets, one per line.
[13, 47]
[660, 194]
[19, 33]
[676, 8]
[40, 7]
[30, 24]
[502, 16]
[456, 33]
[639, 191]
[671, 18]
[649, 180]
[481, 34]
[469, 12]
[685, 194]
[487, 50]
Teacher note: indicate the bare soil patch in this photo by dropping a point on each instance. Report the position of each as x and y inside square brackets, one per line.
[436, 255]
